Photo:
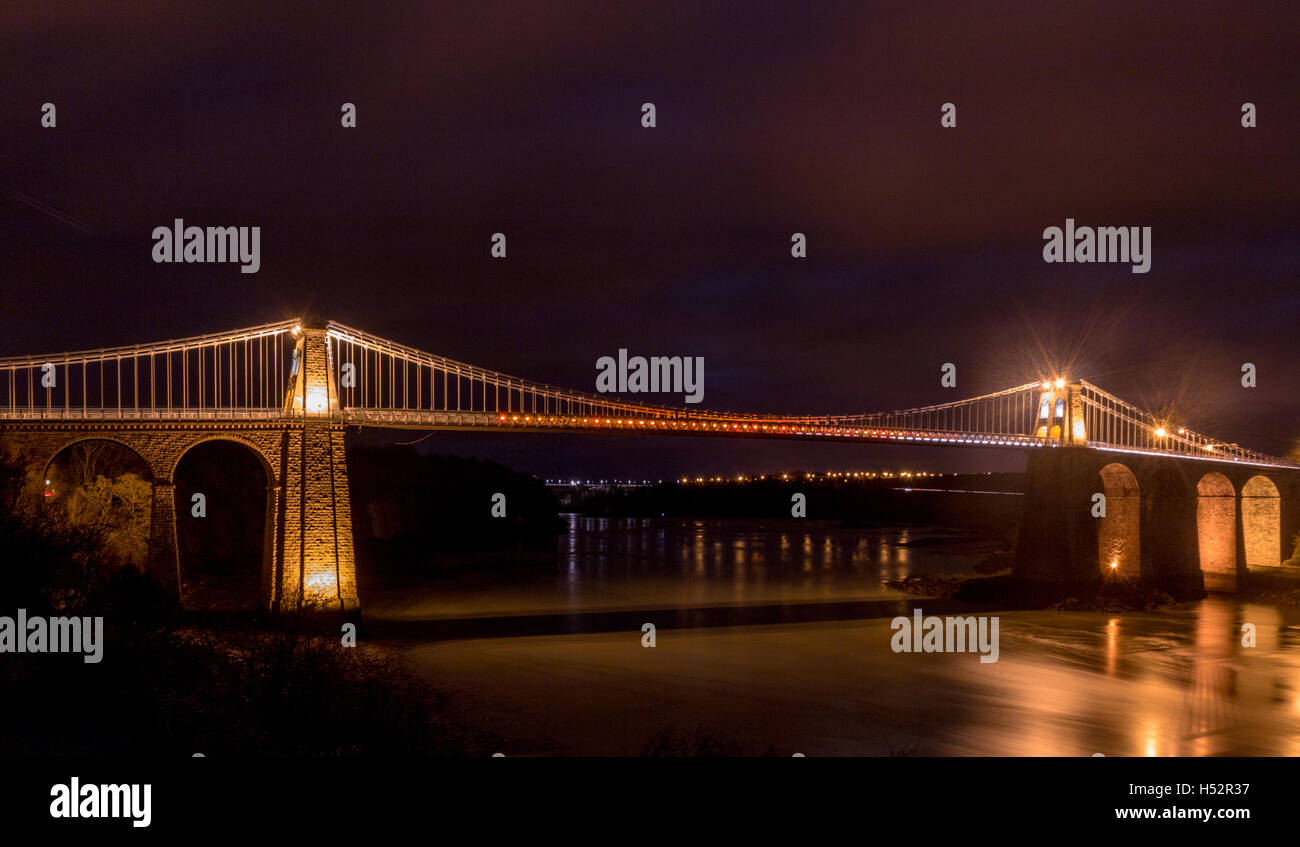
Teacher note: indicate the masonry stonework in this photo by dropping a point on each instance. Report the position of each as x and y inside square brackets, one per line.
[308, 562]
[1186, 527]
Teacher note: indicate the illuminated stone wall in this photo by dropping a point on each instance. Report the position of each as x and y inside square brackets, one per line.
[1216, 531]
[319, 567]
[1180, 526]
[1118, 534]
[1261, 522]
[313, 391]
[308, 561]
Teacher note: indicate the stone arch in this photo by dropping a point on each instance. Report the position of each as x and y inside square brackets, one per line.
[1216, 531]
[112, 437]
[1118, 534]
[113, 491]
[269, 465]
[224, 559]
[1261, 522]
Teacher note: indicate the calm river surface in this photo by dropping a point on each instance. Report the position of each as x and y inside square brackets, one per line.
[775, 637]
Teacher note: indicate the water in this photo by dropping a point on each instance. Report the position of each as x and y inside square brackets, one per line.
[791, 552]
[774, 636]
[606, 564]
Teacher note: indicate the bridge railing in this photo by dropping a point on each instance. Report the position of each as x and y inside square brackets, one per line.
[160, 414]
[242, 374]
[1012, 411]
[427, 419]
[375, 374]
[1115, 424]
[377, 377]
[247, 374]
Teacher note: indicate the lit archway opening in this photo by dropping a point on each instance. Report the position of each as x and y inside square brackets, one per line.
[104, 486]
[1118, 539]
[1261, 522]
[1216, 531]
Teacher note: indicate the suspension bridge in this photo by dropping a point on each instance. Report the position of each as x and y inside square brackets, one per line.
[289, 392]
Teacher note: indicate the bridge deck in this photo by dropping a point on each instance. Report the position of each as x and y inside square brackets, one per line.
[283, 373]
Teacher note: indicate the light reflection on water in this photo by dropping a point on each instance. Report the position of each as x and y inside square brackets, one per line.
[1170, 682]
[1176, 682]
[755, 554]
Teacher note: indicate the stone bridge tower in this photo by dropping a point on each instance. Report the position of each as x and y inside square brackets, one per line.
[307, 561]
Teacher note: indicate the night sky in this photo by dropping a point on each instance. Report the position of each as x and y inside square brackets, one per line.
[924, 244]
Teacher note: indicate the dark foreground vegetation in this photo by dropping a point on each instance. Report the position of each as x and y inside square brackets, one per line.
[167, 687]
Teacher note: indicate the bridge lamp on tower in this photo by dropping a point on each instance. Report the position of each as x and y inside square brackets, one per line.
[317, 400]
[1060, 412]
[320, 589]
[313, 390]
